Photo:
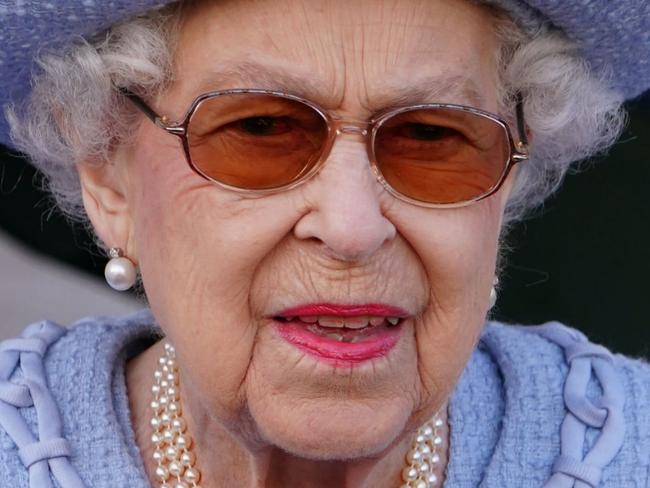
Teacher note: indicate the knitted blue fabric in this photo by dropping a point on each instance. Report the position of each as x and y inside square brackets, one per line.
[534, 407]
[614, 35]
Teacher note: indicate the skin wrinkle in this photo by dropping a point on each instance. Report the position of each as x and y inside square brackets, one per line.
[354, 273]
[351, 154]
[437, 88]
[548, 54]
[216, 264]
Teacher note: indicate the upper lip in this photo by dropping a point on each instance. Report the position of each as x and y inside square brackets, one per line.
[343, 310]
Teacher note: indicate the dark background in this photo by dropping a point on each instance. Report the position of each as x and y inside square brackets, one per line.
[583, 260]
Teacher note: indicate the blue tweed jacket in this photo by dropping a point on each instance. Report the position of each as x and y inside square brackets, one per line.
[534, 407]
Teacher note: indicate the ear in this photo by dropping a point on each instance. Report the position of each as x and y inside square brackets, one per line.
[104, 190]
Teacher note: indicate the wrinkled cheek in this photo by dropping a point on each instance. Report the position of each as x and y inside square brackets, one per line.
[459, 258]
[198, 296]
[169, 248]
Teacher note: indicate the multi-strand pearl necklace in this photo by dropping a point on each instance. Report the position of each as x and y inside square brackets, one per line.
[172, 445]
[423, 461]
[175, 461]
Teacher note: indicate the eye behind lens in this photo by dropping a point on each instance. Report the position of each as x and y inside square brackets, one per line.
[255, 141]
[426, 132]
[264, 126]
[441, 155]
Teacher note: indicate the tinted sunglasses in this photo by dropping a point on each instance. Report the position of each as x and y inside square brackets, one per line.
[260, 141]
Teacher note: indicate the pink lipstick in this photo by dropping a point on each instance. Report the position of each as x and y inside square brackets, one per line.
[342, 335]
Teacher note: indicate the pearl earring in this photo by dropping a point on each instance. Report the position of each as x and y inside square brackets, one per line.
[493, 292]
[120, 271]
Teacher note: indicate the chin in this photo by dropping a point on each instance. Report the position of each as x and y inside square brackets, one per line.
[324, 430]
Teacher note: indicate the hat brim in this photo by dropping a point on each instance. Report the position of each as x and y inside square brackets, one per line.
[614, 36]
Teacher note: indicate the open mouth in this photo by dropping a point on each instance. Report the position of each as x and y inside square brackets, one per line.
[342, 335]
[350, 330]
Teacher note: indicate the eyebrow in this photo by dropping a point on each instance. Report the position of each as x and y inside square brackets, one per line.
[442, 88]
[434, 89]
[253, 75]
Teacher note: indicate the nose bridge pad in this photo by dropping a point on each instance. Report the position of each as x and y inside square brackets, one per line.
[360, 129]
[352, 129]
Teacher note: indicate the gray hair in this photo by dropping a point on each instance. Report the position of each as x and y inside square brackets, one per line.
[74, 113]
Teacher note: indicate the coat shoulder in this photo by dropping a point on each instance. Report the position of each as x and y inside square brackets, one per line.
[600, 399]
[57, 393]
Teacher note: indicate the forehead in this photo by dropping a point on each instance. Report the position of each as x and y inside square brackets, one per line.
[356, 55]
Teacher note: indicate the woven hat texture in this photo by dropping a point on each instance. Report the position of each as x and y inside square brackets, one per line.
[613, 35]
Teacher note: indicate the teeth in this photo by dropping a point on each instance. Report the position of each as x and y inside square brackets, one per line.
[311, 319]
[355, 323]
[333, 322]
[377, 320]
[336, 337]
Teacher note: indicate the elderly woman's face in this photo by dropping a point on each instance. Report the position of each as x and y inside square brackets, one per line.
[219, 267]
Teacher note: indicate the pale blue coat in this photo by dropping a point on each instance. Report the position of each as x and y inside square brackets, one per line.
[534, 407]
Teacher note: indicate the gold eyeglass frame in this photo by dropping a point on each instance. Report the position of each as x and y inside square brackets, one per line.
[518, 151]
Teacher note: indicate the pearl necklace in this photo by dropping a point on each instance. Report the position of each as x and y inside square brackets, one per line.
[172, 445]
[175, 461]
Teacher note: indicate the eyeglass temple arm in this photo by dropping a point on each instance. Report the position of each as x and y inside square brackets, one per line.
[521, 124]
[521, 146]
[141, 104]
[150, 113]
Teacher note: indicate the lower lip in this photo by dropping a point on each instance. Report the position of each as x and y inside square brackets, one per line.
[336, 353]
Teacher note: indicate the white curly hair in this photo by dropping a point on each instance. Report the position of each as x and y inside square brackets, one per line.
[74, 113]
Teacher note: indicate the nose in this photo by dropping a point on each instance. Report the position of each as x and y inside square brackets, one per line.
[344, 199]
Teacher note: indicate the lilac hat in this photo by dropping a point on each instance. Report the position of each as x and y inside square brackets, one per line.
[613, 35]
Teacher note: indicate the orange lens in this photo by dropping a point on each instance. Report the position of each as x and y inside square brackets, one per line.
[442, 155]
[255, 141]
